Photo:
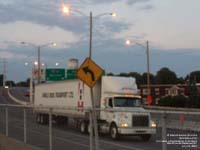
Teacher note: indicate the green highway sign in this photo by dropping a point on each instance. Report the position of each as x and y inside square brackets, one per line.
[55, 74]
[71, 74]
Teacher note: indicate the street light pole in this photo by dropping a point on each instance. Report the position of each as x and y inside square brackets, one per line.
[94, 120]
[148, 71]
[30, 71]
[94, 114]
[90, 44]
[146, 46]
[39, 71]
[38, 47]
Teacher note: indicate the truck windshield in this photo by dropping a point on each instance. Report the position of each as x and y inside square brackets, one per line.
[127, 102]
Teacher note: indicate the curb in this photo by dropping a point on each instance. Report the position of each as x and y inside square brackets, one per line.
[16, 100]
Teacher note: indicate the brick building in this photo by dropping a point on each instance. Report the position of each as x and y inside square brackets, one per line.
[158, 91]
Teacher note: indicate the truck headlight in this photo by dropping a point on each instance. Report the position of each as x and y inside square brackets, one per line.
[124, 125]
[153, 125]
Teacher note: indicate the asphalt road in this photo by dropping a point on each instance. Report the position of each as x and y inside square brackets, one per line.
[68, 137]
[20, 93]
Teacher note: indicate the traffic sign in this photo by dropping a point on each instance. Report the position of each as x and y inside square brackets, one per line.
[70, 74]
[89, 72]
[55, 74]
[35, 74]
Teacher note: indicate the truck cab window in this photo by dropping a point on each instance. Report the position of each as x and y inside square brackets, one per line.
[127, 102]
[110, 104]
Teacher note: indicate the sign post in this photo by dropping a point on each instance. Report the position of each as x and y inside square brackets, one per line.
[89, 72]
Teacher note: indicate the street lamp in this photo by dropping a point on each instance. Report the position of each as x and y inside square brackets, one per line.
[146, 46]
[38, 47]
[57, 64]
[30, 84]
[91, 28]
[67, 10]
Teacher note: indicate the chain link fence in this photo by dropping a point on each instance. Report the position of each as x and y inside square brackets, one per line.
[176, 130]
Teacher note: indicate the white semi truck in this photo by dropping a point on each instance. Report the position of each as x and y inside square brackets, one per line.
[117, 98]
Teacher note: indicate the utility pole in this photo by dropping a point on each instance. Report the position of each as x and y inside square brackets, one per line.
[3, 62]
[149, 97]
[4, 72]
[39, 70]
[94, 113]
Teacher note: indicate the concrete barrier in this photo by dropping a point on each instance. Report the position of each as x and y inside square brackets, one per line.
[7, 143]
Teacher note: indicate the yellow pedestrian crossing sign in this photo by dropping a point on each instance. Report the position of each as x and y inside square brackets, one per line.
[89, 72]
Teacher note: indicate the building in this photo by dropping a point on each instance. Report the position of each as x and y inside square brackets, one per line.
[159, 91]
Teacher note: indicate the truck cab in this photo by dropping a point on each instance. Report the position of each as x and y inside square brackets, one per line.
[123, 111]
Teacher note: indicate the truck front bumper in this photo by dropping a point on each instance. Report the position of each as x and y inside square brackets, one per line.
[136, 131]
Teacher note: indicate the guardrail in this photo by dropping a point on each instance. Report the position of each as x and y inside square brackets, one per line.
[162, 108]
[165, 119]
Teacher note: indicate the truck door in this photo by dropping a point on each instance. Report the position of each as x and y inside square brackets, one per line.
[109, 111]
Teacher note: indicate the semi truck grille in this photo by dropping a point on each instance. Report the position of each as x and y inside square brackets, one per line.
[138, 121]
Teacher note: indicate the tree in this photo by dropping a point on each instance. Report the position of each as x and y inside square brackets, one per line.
[173, 101]
[137, 77]
[110, 74]
[144, 78]
[22, 83]
[123, 74]
[194, 94]
[1, 79]
[166, 76]
[10, 83]
[193, 77]
[181, 80]
[28, 82]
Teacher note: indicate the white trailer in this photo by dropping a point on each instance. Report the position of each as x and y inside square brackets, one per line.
[117, 98]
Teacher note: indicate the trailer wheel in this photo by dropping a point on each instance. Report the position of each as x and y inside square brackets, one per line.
[88, 128]
[45, 119]
[84, 127]
[114, 132]
[42, 118]
[145, 137]
[37, 118]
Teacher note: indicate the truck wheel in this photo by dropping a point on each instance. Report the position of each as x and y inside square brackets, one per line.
[37, 118]
[146, 137]
[41, 119]
[84, 127]
[45, 118]
[114, 132]
[88, 128]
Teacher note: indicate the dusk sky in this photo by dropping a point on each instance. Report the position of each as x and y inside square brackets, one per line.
[172, 28]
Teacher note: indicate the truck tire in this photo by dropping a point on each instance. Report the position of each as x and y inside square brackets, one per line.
[42, 118]
[37, 118]
[88, 128]
[114, 132]
[45, 119]
[84, 127]
[145, 137]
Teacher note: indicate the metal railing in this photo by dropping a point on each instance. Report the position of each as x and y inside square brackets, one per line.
[186, 122]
